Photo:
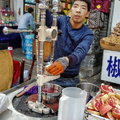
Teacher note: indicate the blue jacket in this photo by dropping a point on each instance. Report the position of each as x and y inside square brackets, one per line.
[73, 43]
[25, 20]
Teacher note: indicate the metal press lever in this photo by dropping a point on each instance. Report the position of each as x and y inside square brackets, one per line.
[51, 33]
[7, 30]
[44, 32]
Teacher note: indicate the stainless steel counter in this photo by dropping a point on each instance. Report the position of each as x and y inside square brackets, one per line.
[11, 113]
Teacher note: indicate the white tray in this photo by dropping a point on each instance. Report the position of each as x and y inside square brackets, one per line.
[90, 116]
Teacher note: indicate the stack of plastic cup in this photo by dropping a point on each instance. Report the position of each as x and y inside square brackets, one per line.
[28, 44]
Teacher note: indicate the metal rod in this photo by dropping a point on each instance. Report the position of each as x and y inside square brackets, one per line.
[55, 10]
[38, 17]
[7, 30]
[41, 38]
[41, 57]
[37, 59]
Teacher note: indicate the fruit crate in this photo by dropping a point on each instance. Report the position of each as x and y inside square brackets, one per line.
[90, 116]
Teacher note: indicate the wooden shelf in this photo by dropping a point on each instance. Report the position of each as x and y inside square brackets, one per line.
[66, 6]
[68, 1]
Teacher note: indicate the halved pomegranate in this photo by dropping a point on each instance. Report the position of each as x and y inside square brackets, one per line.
[105, 108]
[93, 112]
[113, 101]
[105, 97]
[116, 112]
[109, 116]
[90, 106]
[117, 95]
[106, 89]
[111, 94]
[96, 103]
[100, 95]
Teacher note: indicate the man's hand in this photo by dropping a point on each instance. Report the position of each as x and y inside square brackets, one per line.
[58, 66]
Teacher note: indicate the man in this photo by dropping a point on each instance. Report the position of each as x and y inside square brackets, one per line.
[72, 46]
[61, 11]
[25, 21]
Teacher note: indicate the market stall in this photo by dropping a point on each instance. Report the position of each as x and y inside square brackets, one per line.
[30, 101]
[106, 104]
[13, 39]
[7, 19]
[111, 56]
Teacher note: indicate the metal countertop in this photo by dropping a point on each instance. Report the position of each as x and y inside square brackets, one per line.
[11, 113]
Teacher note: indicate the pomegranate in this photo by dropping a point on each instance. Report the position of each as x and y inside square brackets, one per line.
[109, 116]
[100, 95]
[106, 89]
[111, 94]
[89, 106]
[116, 112]
[117, 95]
[105, 97]
[104, 109]
[93, 112]
[96, 103]
[113, 101]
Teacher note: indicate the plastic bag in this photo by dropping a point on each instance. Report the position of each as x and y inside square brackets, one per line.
[96, 18]
[4, 102]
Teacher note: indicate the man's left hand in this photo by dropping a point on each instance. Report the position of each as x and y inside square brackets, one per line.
[58, 66]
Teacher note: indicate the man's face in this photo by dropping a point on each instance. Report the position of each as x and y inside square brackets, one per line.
[79, 12]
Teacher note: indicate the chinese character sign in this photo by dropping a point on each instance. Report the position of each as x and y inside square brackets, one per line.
[111, 66]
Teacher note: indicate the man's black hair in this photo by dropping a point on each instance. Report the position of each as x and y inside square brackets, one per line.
[87, 1]
[30, 10]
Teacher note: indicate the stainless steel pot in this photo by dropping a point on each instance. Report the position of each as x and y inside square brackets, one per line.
[51, 93]
[90, 88]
